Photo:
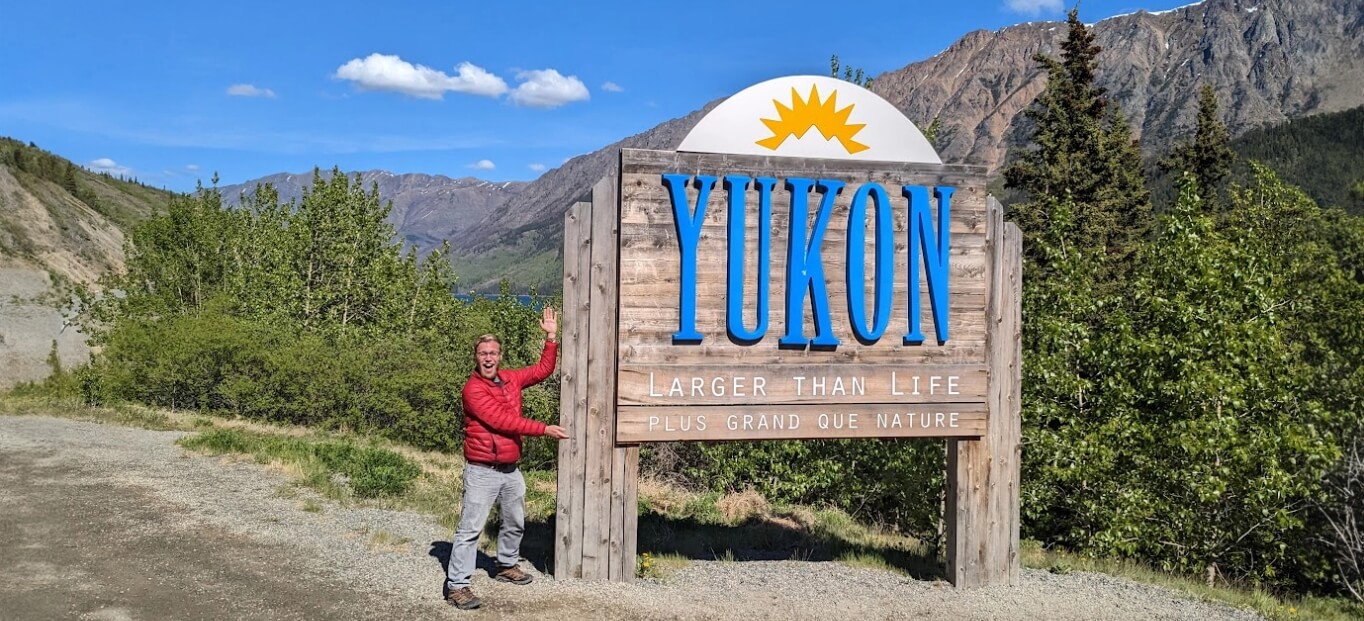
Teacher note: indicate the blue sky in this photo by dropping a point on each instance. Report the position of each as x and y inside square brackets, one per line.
[170, 92]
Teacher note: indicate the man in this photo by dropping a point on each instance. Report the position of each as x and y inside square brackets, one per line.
[492, 445]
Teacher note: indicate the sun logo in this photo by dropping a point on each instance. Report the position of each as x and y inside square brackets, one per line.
[804, 114]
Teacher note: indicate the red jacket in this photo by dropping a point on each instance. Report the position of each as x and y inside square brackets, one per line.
[493, 424]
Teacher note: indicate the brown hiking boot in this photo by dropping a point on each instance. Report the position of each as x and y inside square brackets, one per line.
[512, 574]
[463, 599]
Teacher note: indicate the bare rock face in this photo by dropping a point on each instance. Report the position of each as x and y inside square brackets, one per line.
[1269, 60]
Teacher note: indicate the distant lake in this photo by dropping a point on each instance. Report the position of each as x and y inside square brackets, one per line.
[469, 297]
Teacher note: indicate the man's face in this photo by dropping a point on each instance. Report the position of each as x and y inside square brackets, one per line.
[488, 356]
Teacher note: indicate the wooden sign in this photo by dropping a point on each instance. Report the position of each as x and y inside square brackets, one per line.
[722, 338]
[786, 275]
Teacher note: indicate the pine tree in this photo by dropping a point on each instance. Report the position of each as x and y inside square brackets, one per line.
[1083, 153]
[1208, 155]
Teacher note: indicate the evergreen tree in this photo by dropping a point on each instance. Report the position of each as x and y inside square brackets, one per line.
[1083, 155]
[69, 180]
[1208, 155]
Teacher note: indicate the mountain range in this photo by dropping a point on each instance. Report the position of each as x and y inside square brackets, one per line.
[1270, 61]
[426, 209]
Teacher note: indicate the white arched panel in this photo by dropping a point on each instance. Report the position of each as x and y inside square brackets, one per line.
[811, 117]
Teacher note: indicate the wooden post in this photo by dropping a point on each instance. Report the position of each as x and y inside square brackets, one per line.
[568, 557]
[597, 514]
[983, 475]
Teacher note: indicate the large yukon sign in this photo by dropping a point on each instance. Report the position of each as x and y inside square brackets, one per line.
[803, 267]
[772, 295]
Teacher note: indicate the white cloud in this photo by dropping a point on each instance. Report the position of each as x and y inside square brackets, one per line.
[537, 167]
[483, 165]
[106, 165]
[192, 167]
[249, 90]
[612, 87]
[383, 72]
[1033, 7]
[547, 88]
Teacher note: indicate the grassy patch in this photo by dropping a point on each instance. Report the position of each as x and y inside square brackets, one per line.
[13, 404]
[659, 567]
[337, 468]
[385, 541]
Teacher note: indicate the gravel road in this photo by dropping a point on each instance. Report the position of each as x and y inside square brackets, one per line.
[105, 522]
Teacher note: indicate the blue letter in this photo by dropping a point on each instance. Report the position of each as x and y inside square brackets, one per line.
[805, 266]
[734, 311]
[688, 223]
[935, 258]
[857, 257]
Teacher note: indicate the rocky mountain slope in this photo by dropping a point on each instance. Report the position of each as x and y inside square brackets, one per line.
[427, 209]
[1270, 61]
[58, 222]
[60, 218]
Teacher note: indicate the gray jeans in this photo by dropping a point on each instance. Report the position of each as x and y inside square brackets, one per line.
[482, 487]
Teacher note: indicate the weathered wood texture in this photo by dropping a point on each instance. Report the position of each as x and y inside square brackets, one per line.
[854, 382]
[568, 523]
[667, 423]
[983, 475]
[651, 289]
[597, 508]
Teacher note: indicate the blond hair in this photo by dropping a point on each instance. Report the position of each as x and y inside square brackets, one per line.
[487, 338]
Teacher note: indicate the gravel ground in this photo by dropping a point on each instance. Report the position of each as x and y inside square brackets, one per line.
[104, 522]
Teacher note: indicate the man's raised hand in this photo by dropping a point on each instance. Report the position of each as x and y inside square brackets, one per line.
[549, 322]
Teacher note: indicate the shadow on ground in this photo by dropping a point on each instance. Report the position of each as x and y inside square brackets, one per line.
[756, 539]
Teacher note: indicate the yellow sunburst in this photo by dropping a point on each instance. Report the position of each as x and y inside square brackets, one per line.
[804, 114]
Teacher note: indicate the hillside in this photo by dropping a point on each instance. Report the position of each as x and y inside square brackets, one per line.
[1324, 155]
[427, 209]
[58, 217]
[57, 221]
[1270, 61]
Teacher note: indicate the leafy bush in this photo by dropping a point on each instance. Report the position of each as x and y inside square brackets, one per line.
[302, 313]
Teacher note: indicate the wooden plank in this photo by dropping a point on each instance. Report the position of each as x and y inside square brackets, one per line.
[644, 325]
[624, 513]
[646, 201]
[616, 530]
[655, 242]
[630, 513]
[662, 423]
[601, 380]
[635, 161]
[983, 474]
[956, 352]
[701, 384]
[568, 528]
[1007, 429]
[649, 274]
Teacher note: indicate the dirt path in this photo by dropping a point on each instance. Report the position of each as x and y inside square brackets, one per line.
[104, 522]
